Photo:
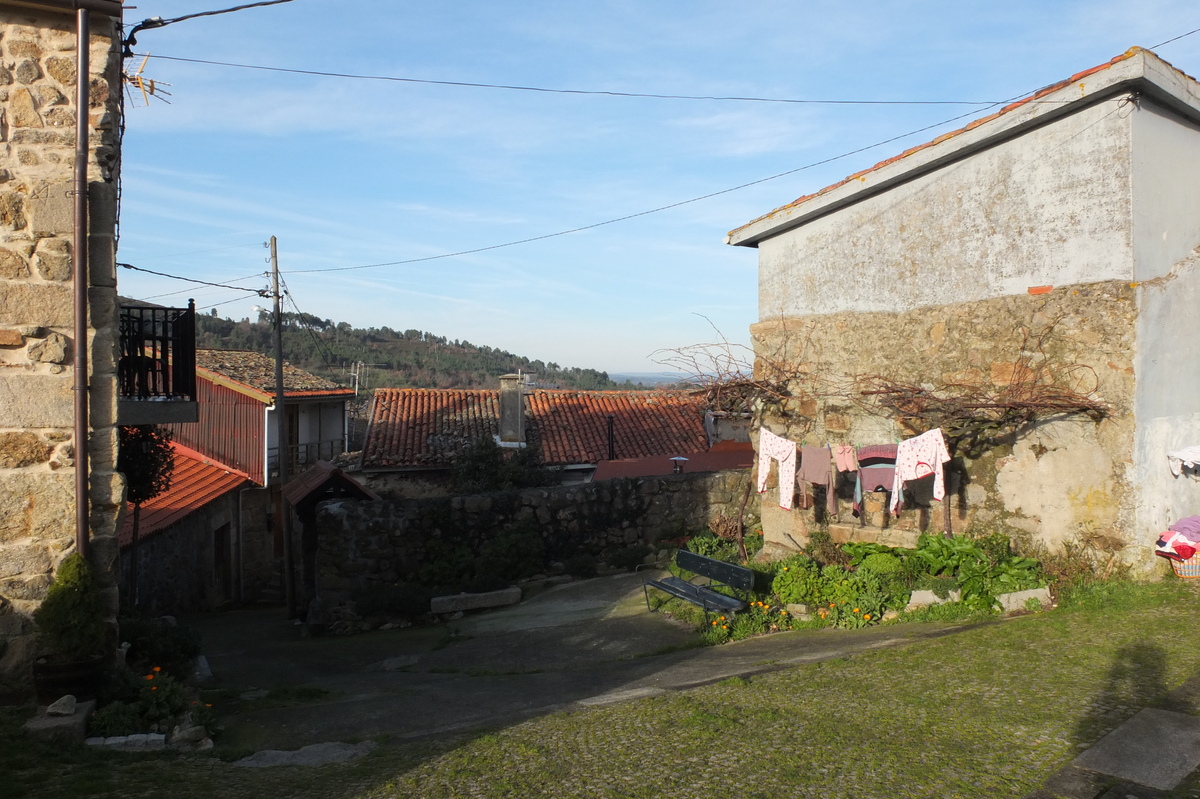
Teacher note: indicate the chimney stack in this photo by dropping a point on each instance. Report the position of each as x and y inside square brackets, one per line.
[512, 410]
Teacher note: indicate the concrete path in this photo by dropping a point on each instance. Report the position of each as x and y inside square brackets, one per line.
[583, 643]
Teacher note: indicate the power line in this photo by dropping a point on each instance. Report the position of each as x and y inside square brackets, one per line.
[326, 356]
[1177, 38]
[659, 209]
[185, 291]
[547, 90]
[259, 292]
[159, 22]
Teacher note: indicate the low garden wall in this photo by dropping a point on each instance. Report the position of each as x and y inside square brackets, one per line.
[364, 544]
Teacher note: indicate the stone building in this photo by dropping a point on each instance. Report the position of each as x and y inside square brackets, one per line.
[1053, 243]
[42, 253]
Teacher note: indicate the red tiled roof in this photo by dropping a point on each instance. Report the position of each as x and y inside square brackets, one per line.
[254, 373]
[416, 427]
[195, 481]
[724, 455]
[1041, 93]
[316, 477]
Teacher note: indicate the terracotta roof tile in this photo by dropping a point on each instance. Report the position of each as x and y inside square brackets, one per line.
[257, 372]
[195, 482]
[425, 427]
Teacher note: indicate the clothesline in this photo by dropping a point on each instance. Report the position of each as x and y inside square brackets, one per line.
[888, 466]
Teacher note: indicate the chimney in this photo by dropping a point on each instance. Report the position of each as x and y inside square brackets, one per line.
[512, 410]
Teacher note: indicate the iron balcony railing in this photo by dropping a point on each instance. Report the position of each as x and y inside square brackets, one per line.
[301, 456]
[158, 353]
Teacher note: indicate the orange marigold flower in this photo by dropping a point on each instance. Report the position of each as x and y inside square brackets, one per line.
[866, 615]
[156, 669]
[856, 610]
[153, 687]
[724, 626]
[833, 604]
[149, 676]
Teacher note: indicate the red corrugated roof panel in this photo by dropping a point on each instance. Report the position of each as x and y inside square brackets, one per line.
[195, 482]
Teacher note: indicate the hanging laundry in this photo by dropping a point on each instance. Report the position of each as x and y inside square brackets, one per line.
[773, 447]
[876, 471]
[815, 469]
[843, 456]
[920, 457]
[1188, 456]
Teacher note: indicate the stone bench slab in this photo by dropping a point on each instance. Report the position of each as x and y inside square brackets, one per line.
[489, 599]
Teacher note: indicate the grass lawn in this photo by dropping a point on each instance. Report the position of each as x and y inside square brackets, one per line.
[989, 712]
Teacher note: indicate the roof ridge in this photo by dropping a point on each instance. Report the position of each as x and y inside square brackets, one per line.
[975, 123]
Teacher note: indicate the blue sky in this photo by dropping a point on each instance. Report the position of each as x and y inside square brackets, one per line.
[355, 172]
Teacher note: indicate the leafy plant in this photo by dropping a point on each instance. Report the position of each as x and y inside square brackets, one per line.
[713, 546]
[116, 718]
[799, 579]
[71, 619]
[163, 698]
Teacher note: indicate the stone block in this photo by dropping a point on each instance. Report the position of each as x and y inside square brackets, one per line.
[923, 598]
[489, 599]
[22, 109]
[27, 559]
[44, 305]
[12, 265]
[36, 505]
[1017, 599]
[51, 210]
[62, 729]
[36, 401]
[61, 69]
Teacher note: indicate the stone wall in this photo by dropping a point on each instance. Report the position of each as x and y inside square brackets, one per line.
[1044, 484]
[365, 543]
[37, 134]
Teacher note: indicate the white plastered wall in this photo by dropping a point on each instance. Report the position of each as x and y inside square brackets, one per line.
[1050, 207]
[1166, 223]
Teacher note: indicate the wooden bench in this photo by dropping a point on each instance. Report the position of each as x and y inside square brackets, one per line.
[717, 572]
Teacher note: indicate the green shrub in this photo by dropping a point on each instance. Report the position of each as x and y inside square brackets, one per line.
[713, 546]
[799, 579]
[882, 564]
[116, 718]
[71, 619]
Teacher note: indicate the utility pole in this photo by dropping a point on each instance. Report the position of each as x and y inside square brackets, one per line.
[281, 509]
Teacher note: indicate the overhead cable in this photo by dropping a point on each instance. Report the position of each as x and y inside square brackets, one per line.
[648, 212]
[546, 90]
[259, 292]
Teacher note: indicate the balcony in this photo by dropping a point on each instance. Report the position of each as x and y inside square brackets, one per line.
[301, 456]
[156, 371]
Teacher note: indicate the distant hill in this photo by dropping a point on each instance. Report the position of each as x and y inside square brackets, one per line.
[386, 358]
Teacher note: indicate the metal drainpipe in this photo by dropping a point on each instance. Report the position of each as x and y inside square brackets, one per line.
[80, 263]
